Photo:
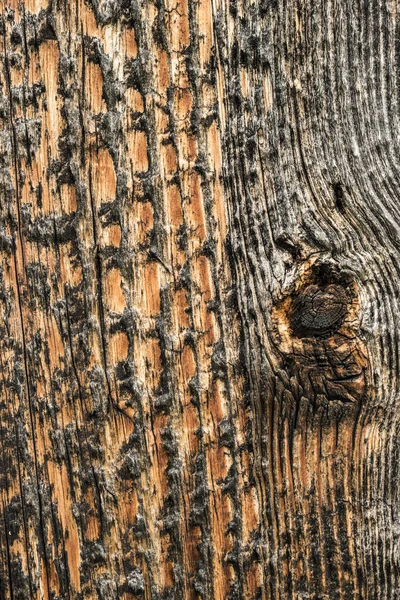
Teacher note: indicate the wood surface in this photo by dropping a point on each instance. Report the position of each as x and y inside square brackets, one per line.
[199, 299]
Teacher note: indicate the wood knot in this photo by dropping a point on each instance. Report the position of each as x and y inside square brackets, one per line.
[316, 331]
[319, 311]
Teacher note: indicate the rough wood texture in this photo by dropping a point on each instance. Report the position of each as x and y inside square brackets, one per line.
[199, 299]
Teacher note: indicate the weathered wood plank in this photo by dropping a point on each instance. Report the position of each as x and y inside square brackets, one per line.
[199, 241]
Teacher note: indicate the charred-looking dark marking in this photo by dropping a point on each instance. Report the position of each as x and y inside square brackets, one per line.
[339, 192]
[319, 311]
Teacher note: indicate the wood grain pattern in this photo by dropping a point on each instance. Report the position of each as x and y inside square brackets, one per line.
[199, 315]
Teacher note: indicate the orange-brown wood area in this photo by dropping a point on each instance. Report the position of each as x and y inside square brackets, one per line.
[112, 467]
